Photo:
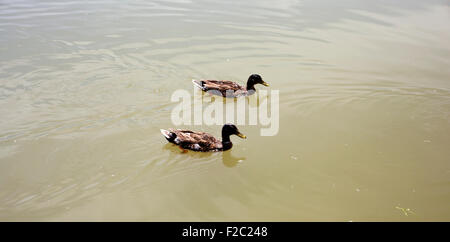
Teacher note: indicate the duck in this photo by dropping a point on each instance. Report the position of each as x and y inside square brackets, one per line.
[228, 88]
[200, 141]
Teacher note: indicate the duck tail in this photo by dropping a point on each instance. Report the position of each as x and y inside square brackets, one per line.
[199, 84]
[170, 136]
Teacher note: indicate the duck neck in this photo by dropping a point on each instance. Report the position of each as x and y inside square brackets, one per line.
[250, 86]
[226, 142]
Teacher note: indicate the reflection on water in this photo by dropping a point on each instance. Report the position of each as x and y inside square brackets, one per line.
[364, 110]
[231, 161]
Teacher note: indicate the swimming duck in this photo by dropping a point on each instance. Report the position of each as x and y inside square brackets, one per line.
[200, 141]
[229, 88]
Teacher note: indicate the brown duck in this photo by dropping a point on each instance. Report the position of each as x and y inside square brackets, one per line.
[229, 88]
[200, 141]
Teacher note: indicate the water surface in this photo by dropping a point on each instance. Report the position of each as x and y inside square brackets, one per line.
[364, 87]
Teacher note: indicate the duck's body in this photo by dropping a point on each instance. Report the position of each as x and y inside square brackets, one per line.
[200, 141]
[229, 88]
[223, 88]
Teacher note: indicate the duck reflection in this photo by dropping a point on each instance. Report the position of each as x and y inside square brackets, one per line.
[228, 159]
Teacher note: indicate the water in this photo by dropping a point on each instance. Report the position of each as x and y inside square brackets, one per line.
[364, 110]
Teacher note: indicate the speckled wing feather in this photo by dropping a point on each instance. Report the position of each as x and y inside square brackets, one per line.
[198, 141]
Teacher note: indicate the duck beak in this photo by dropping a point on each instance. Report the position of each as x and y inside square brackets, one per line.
[241, 135]
[265, 83]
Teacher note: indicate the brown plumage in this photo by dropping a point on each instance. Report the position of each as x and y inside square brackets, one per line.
[200, 141]
[229, 88]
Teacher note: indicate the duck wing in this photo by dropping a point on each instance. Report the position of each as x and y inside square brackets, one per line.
[219, 87]
[198, 141]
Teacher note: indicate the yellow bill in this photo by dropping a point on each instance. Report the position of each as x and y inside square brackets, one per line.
[241, 136]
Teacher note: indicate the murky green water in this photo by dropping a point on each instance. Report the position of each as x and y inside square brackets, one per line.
[364, 87]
